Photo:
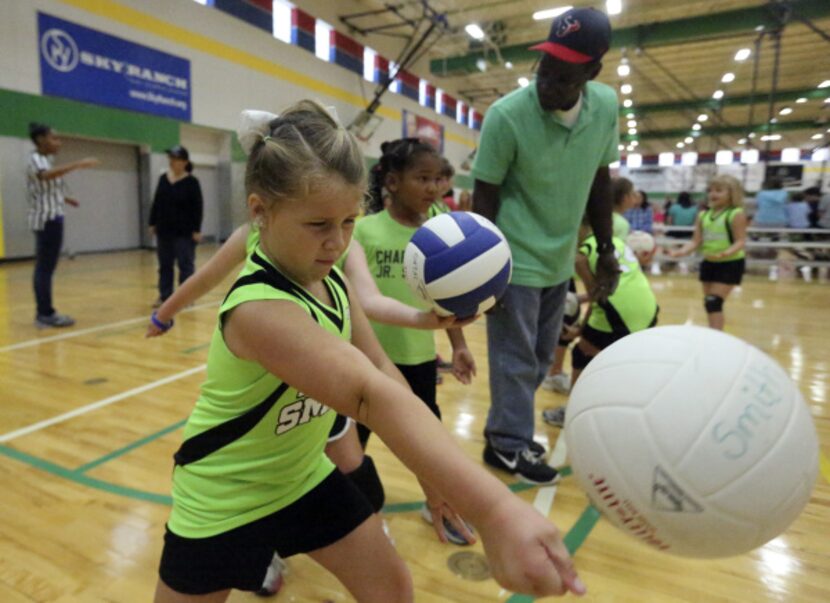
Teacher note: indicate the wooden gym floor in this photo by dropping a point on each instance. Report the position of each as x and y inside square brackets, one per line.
[91, 416]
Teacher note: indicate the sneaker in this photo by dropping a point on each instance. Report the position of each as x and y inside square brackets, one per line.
[524, 465]
[450, 532]
[559, 383]
[554, 416]
[274, 578]
[55, 320]
[537, 450]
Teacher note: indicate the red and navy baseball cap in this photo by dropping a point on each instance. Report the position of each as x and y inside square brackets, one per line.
[580, 35]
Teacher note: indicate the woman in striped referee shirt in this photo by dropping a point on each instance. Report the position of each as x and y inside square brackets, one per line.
[46, 206]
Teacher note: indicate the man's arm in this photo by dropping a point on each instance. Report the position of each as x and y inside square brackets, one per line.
[600, 207]
[61, 170]
[486, 199]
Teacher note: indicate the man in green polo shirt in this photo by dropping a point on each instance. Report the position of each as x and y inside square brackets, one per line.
[542, 162]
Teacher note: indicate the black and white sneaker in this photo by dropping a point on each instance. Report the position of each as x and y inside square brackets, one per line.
[537, 450]
[524, 464]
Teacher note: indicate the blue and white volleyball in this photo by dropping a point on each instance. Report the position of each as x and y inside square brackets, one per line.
[459, 262]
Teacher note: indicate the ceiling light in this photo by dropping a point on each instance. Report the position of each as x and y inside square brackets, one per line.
[634, 143]
[718, 94]
[688, 140]
[680, 145]
[771, 137]
[801, 100]
[474, 31]
[632, 131]
[785, 111]
[751, 135]
[630, 115]
[634, 160]
[689, 158]
[613, 7]
[774, 120]
[824, 84]
[623, 69]
[743, 54]
[508, 65]
[723, 157]
[523, 82]
[626, 89]
[696, 127]
[817, 136]
[728, 77]
[749, 156]
[665, 159]
[620, 147]
[481, 64]
[550, 13]
[827, 100]
[632, 123]
[702, 117]
[742, 141]
[627, 103]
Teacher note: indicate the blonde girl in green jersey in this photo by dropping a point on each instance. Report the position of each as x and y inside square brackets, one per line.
[720, 233]
[291, 345]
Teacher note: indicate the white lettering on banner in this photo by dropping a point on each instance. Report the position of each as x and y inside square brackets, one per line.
[143, 73]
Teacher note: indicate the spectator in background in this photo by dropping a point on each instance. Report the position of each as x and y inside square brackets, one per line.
[771, 205]
[465, 201]
[445, 185]
[798, 212]
[176, 221]
[682, 213]
[813, 197]
[47, 200]
[641, 216]
[625, 197]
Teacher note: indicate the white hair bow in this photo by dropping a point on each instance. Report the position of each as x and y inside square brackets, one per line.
[253, 127]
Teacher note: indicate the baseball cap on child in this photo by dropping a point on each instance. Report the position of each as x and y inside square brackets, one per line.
[580, 35]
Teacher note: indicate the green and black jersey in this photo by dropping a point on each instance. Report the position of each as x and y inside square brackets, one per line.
[253, 444]
[716, 228]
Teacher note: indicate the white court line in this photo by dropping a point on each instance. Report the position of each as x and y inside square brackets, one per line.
[100, 404]
[544, 497]
[78, 333]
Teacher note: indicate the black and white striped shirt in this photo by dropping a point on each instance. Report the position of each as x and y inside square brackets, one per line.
[46, 197]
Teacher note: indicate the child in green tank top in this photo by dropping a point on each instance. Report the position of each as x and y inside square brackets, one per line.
[409, 170]
[292, 344]
[720, 232]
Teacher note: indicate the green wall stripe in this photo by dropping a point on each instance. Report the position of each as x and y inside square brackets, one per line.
[82, 119]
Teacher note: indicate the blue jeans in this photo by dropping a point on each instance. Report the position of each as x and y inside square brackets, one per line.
[47, 252]
[174, 250]
[522, 331]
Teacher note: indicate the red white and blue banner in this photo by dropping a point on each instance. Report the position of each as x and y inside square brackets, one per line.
[302, 29]
[345, 52]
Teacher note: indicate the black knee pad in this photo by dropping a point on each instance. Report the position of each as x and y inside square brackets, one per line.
[713, 303]
[367, 480]
[579, 359]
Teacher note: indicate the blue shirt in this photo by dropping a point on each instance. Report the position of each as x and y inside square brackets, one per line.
[641, 219]
[771, 208]
[683, 216]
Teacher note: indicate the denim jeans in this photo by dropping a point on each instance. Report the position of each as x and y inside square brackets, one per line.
[174, 250]
[47, 252]
[522, 331]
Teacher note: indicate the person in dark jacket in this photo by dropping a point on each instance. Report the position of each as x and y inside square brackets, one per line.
[176, 220]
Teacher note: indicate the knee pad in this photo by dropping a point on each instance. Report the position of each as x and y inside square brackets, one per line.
[367, 480]
[713, 303]
[579, 359]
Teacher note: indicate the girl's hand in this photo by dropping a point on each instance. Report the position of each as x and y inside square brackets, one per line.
[153, 331]
[431, 320]
[526, 552]
[570, 332]
[463, 365]
[714, 256]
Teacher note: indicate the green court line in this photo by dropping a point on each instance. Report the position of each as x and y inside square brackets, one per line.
[196, 348]
[129, 447]
[573, 540]
[84, 480]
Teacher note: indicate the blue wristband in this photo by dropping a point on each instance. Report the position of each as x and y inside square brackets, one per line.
[161, 325]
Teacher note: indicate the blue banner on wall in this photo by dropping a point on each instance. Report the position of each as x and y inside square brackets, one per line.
[87, 65]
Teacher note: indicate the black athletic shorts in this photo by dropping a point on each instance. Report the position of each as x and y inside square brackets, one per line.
[728, 273]
[240, 557]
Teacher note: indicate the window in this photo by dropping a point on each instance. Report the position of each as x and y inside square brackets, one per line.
[322, 40]
[282, 20]
[369, 64]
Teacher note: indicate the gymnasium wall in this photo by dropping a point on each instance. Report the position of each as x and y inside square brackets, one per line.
[233, 66]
